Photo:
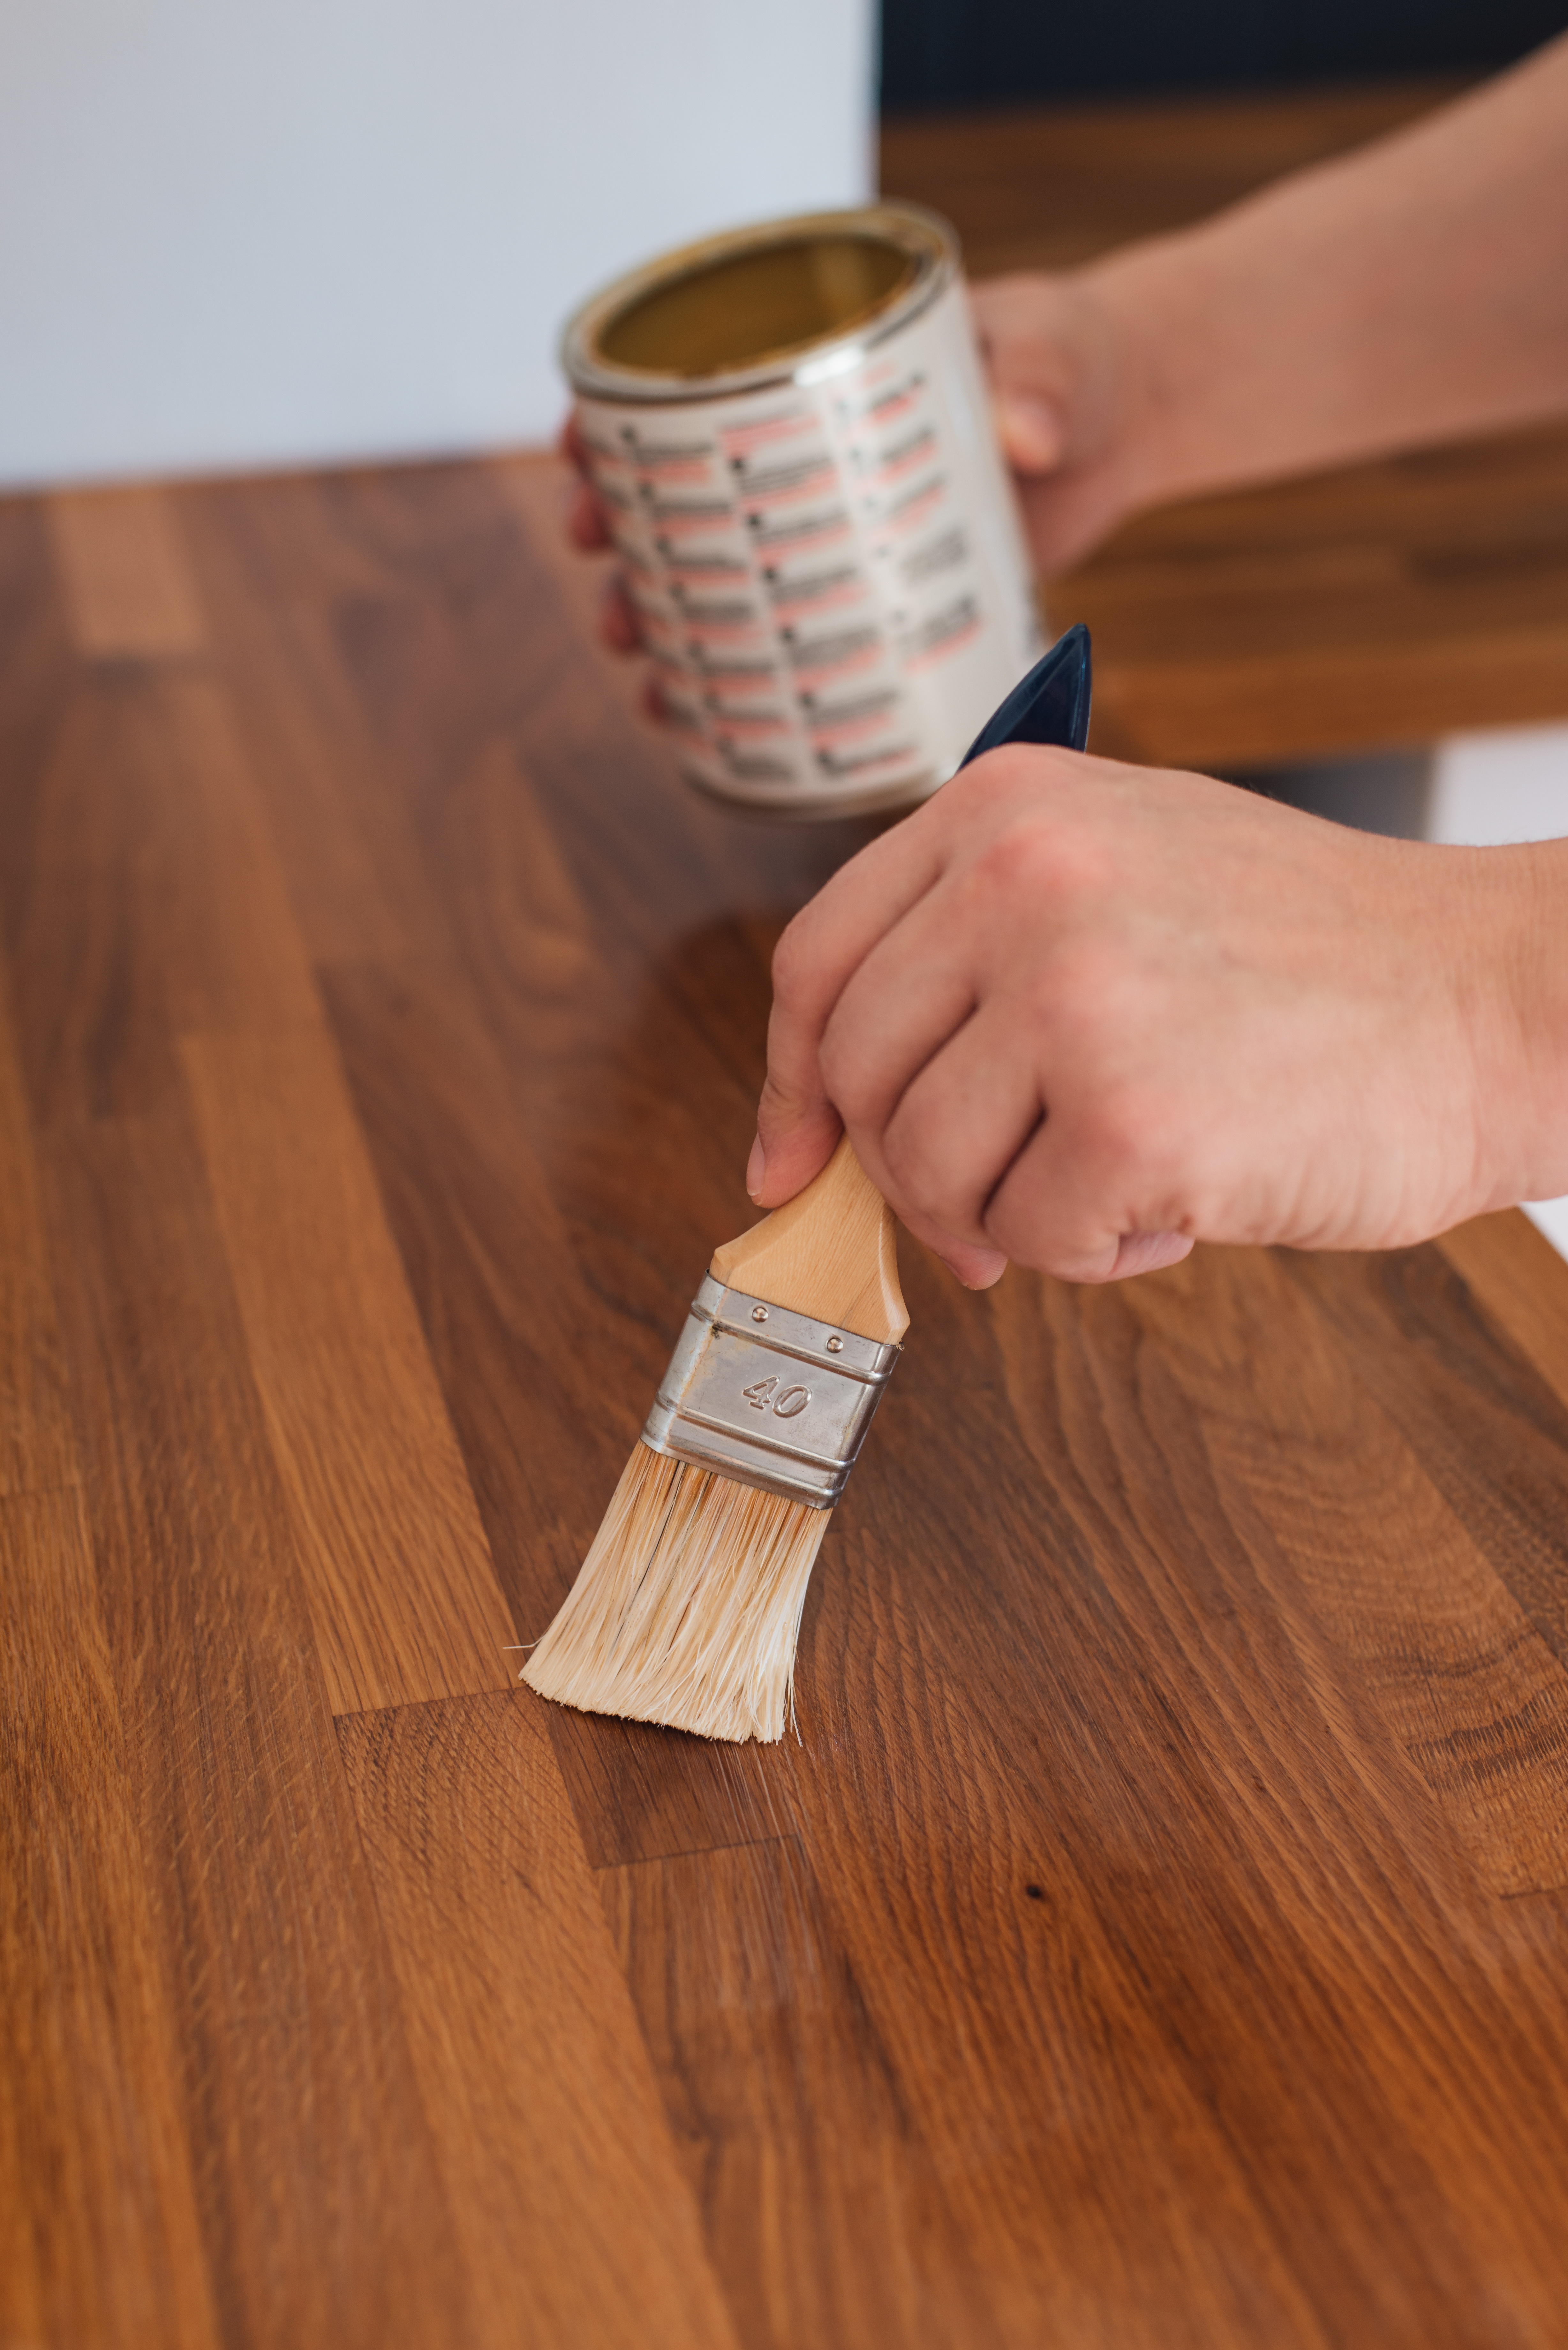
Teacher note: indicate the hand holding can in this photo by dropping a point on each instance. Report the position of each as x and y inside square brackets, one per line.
[789, 437]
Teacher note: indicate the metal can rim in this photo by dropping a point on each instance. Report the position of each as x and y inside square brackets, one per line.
[933, 239]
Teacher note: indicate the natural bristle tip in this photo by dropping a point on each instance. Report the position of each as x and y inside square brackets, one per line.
[687, 1609]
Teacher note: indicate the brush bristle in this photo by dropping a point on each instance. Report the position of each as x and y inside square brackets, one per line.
[687, 1609]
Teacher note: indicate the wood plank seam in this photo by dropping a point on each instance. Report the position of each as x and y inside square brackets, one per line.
[523, 2034]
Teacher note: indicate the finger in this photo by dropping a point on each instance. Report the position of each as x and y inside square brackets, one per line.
[816, 955]
[1150, 1252]
[796, 1132]
[617, 619]
[1030, 428]
[1081, 1199]
[795, 1141]
[585, 523]
[963, 1119]
[1037, 1214]
[913, 989]
[929, 1077]
[803, 1133]
[1030, 423]
[572, 445]
[799, 1124]
[976, 1267]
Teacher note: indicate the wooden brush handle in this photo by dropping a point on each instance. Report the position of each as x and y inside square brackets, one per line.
[831, 1253]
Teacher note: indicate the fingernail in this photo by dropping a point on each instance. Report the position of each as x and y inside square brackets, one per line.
[756, 1167]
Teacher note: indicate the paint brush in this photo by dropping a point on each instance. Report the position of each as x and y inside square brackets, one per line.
[687, 1608]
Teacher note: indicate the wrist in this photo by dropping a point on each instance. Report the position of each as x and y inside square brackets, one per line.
[1163, 312]
[1246, 346]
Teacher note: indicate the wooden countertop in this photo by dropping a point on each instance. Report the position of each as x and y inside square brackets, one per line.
[1157, 1937]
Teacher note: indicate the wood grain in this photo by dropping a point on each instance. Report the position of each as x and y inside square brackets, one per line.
[396, 1569]
[989, 1956]
[321, 2211]
[127, 586]
[524, 2038]
[1382, 1565]
[751, 2017]
[1505, 1262]
[150, 902]
[1157, 1935]
[1451, 1370]
[99, 2234]
[38, 1446]
[1131, 1593]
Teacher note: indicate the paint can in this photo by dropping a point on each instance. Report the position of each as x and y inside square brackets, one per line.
[790, 436]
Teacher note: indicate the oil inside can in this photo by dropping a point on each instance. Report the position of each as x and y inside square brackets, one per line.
[742, 309]
[787, 428]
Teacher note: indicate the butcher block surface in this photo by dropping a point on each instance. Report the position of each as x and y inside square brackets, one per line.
[1157, 1935]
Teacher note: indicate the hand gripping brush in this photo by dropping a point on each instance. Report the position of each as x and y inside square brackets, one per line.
[687, 1608]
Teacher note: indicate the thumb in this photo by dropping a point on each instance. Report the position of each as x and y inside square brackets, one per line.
[1030, 429]
[797, 1131]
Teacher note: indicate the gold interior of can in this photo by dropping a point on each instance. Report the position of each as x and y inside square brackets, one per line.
[748, 308]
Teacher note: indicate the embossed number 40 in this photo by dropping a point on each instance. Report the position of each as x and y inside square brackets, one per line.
[764, 1392]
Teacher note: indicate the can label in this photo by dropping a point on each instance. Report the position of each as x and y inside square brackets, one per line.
[830, 575]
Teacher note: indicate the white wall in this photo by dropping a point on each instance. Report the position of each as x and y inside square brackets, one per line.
[253, 231]
[1492, 788]
[1507, 784]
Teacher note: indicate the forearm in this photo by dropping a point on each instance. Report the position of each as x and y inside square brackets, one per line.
[1411, 293]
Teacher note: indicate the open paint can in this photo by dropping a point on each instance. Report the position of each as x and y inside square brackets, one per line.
[790, 436]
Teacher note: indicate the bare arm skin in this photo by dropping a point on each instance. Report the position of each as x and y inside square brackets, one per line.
[1412, 292]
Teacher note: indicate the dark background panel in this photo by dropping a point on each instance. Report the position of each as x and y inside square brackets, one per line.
[959, 53]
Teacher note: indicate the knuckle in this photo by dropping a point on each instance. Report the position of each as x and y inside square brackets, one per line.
[1018, 871]
[1019, 861]
[1027, 846]
[1013, 772]
[1143, 1145]
[980, 794]
[1117, 1131]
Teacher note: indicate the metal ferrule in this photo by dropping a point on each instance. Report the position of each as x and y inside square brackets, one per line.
[768, 1397]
